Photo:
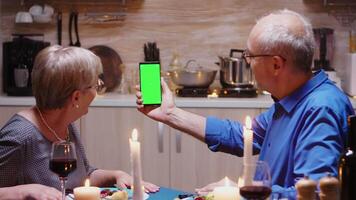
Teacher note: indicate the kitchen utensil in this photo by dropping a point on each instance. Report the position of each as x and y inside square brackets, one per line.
[59, 28]
[324, 38]
[151, 52]
[111, 61]
[71, 18]
[234, 71]
[192, 77]
[77, 43]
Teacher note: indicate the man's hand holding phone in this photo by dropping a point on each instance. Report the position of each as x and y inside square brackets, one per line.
[157, 113]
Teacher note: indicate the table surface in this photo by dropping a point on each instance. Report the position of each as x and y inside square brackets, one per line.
[166, 194]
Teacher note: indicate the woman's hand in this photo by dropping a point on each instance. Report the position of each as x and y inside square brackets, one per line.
[157, 113]
[30, 191]
[123, 180]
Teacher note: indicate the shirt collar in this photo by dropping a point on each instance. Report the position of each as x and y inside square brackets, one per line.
[289, 102]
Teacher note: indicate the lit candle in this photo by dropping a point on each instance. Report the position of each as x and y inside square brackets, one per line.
[135, 147]
[247, 159]
[86, 192]
[226, 192]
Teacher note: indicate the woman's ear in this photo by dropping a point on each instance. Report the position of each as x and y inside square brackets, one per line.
[76, 95]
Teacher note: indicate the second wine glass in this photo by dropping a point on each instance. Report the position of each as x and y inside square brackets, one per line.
[259, 188]
[63, 161]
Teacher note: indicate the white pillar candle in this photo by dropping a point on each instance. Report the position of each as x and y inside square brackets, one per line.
[226, 192]
[247, 159]
[135, 148]
[86, 192]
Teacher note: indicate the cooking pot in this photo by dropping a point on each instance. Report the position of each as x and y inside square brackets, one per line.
[192, 77]
[234, 71]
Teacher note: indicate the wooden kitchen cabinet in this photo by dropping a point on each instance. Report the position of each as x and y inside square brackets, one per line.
[179, 161]
[106, 133]
[194, 165]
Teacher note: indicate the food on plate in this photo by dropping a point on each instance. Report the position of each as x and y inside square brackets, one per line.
[106, 192]
[120, 195]
[210, 196]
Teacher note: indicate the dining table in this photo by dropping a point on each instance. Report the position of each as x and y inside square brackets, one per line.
[166, 194]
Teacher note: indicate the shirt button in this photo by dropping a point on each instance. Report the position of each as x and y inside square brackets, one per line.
[269, 144]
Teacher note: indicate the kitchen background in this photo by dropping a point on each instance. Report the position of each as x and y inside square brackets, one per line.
[195, 29]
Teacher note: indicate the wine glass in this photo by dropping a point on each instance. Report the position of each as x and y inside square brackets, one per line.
[257, 181]
[63, 161]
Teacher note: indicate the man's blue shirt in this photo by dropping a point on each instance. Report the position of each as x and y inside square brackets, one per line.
[301, 134]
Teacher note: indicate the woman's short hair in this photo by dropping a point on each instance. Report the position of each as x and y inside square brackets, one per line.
[59, 71]
[297, 46]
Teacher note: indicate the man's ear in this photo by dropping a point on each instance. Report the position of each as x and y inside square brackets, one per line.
[278, 65]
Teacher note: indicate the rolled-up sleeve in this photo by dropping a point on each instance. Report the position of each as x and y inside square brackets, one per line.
[224, 135]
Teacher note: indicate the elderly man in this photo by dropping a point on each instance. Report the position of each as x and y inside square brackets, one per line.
[303, 132]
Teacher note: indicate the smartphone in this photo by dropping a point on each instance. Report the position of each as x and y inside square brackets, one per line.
[150, 82]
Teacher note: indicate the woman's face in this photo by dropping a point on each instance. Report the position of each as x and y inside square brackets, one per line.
[87, 97]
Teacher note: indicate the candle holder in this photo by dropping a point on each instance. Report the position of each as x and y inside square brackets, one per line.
[86, 192]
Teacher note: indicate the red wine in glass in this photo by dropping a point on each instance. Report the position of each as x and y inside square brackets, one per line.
[255, 192]
[62, 166]
[63, 161]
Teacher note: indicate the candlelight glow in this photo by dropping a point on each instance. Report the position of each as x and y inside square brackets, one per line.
[227, 182]
[134, 135]
[87, 183]
[248, 122]
[240, 182]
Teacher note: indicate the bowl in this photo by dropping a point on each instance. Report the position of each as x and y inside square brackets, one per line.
[44, 18]
[36, 10]
[23, 17]
[48, 10]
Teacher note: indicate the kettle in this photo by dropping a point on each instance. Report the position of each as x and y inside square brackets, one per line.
[235, 72]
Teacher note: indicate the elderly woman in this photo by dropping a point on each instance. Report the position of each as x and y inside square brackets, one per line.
[65, 82]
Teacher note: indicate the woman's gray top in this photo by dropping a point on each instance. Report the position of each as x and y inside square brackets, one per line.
[25, 155]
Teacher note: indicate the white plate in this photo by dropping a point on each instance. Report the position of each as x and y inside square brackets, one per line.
[129, 192]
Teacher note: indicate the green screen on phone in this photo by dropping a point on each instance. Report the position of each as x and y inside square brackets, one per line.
[150, 80]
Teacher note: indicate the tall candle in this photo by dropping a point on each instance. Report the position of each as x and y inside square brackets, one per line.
[226, 192]
[247, 159]
[86, 192]
[135, 148]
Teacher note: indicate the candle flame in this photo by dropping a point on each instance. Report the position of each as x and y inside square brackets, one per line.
[87, 183]
[248, 122]
[226, 180]
[134, 135]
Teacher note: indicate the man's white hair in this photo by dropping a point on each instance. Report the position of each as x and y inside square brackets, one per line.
[278, 38]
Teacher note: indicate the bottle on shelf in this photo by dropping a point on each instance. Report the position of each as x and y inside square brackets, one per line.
[347, 164]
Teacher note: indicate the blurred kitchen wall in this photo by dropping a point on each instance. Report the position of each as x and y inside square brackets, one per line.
[196, 29]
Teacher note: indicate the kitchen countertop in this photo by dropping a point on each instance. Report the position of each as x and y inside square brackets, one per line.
[120, 100]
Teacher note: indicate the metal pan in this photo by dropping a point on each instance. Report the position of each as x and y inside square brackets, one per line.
[112, 69]
[197, 77]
